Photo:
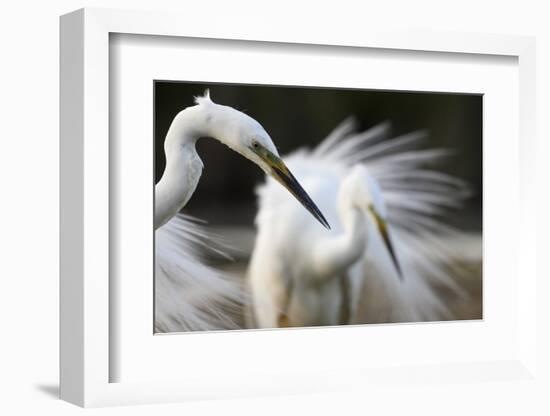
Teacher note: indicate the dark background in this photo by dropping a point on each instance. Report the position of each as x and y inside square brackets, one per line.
[297, 116]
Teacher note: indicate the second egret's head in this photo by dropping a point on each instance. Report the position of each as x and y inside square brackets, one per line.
[363, 193]
[246, 136]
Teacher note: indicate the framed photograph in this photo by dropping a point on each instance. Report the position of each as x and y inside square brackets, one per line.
[266, 214]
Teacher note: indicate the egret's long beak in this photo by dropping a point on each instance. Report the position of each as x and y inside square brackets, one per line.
[382, 226]
[280, 172]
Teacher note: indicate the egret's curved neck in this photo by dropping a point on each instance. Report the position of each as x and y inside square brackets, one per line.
[178, 182]
[334, 255]
[183, 165]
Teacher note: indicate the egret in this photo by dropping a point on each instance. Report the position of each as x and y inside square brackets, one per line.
[384, 204]
[189, 294]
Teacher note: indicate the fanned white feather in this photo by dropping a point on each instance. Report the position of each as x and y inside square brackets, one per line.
[189, 294]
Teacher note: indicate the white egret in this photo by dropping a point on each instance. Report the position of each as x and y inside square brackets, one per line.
[382, 202]
[190, 295]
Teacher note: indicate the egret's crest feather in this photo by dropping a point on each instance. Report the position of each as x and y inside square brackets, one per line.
[204, 99]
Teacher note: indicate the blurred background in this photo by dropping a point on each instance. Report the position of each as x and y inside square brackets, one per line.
[296, 117]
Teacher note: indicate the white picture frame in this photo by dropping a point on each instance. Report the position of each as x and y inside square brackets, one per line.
[86, 353]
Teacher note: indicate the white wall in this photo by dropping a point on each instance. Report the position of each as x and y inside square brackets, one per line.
[29, 172]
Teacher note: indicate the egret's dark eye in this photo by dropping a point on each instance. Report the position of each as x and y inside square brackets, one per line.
[255, 145]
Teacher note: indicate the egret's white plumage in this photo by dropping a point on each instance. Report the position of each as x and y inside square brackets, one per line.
[189, 294]
[304, 275]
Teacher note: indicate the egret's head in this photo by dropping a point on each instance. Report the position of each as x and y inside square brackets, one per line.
[246, 136]
[362, 192]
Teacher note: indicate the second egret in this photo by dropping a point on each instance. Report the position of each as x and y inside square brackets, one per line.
[383, 204]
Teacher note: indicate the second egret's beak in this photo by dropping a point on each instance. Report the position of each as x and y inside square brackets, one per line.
[280, 172]
[382, 227]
